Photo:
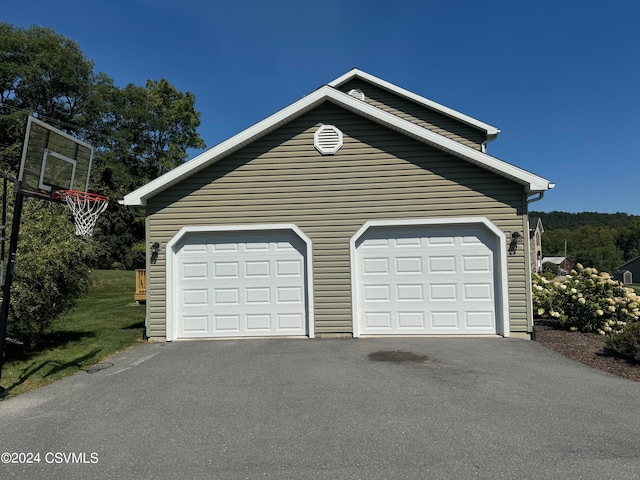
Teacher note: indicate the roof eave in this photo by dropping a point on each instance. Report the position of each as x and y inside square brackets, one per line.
[532, 182]
[491, 132]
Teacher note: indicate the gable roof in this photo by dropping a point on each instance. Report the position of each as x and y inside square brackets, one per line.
[490, 131]
[534, 222]
[532, 183]
[629, 263]
[556, 260]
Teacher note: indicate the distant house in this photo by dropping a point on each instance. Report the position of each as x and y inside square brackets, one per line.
[563, 263]
[535, 243]
[632, 266]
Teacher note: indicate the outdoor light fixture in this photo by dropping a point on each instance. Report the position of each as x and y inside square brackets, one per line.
[516, 238]
[155, 249]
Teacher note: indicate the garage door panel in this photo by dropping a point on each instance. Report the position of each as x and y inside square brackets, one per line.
[411, 320]
[195, 271]
[289, 268]
[241, 284]
[226, 270]
[408, 265]
[476, 263]
[443, 291]
[257, 269]
[444, 320]
[440, 264]
[478, 291]
[425, 280]
[409, 293]
[290, 322]
[195, 324]
[480, 320]
[376, 320]
[195, 297]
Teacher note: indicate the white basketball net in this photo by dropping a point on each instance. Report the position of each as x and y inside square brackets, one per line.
[86, 208]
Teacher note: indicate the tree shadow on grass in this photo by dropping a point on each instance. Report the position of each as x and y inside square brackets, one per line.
[45, 342]
[134, 326]
[54, 367]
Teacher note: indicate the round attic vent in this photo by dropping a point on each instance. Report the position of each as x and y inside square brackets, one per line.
[357, 93]
[327, 139]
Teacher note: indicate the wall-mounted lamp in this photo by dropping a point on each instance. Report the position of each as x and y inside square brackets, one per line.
[516, 238]
[155, 249]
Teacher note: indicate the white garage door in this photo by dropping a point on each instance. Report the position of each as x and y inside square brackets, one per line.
[234, 284]
[426, 280]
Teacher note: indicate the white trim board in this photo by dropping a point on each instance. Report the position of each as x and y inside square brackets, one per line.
[490, 131]
[533, 183]
[171, 305]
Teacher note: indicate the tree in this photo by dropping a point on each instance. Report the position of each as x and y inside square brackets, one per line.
[551, 268]
[139, 132]
[590, 246]
[41, 73]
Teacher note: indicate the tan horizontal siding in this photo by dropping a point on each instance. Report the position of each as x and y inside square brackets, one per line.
[281, 178]
[418, 114]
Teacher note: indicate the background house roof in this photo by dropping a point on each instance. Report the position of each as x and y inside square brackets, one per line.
[534, 222]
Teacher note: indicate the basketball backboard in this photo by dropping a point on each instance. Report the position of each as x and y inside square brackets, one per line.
[52, 160]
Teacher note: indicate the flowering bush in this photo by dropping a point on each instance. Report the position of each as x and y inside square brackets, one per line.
[626, 343]
[586, 301]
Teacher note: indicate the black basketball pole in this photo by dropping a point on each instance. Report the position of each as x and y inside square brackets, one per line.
[6, 296]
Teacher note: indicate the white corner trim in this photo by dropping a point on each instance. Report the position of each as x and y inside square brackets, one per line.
[502, 287]
[488, 129]
[171, 304]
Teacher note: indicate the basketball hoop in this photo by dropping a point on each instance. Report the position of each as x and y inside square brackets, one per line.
[86, 208]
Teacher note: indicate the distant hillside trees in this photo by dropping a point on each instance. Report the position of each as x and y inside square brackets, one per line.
[601, 240]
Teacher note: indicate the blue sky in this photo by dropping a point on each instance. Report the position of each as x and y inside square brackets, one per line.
[560, 79]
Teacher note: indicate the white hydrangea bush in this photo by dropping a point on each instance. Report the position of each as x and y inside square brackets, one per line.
[587, 301]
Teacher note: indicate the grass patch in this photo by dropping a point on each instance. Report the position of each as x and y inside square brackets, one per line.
[102, 323]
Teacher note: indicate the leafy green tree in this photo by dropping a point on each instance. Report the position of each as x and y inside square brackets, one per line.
[588, 245]
[551, 268]
[41, 73]
[139, 132]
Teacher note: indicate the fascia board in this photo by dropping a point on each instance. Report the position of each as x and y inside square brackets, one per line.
[490, 130]
[139, 197]
[533, 182]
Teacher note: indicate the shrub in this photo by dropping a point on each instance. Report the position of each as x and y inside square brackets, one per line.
[51, 271]
[586, 301]
[550, 267]
[626, 343]
[548, 275]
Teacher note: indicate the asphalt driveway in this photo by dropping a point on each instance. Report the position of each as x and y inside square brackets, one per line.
[322, 409]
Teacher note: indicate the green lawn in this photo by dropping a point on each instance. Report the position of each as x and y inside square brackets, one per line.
[104, 322]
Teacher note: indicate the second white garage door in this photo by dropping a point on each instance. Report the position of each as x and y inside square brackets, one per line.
[235, 284]
[426, 279]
